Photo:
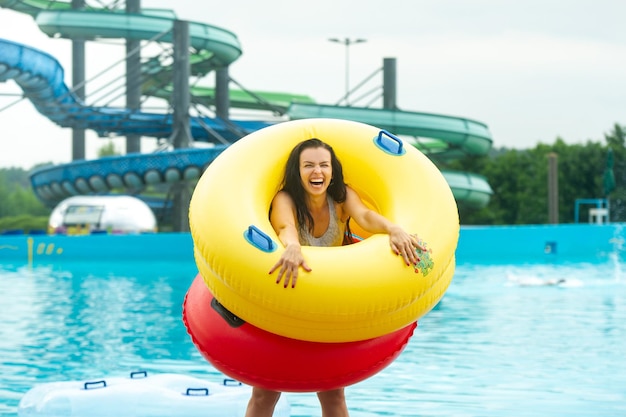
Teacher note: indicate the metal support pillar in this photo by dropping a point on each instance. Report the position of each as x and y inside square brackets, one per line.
[181, 136]
[78, 79]
[222, 97]
[389, 84]
[133, 78]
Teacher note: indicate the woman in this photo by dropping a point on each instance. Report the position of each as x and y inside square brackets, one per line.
[312, 209]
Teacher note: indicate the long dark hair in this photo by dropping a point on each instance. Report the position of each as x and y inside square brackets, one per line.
[292, 183]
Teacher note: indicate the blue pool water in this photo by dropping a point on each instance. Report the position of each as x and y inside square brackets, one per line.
[499, 344]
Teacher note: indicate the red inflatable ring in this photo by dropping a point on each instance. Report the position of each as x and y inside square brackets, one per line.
[259, 358]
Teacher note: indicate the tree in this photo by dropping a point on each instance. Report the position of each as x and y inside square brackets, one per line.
[20, 208]
[17, 196]
[519, 179]
[107, 149]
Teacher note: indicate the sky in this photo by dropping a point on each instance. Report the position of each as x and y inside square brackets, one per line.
[531, 70]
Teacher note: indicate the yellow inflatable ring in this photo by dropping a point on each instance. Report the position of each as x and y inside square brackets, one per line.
[354, 292]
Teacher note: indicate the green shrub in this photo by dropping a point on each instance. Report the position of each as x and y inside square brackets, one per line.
[24, 222]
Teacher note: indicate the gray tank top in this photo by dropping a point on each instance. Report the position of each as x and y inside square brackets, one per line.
[333, 236]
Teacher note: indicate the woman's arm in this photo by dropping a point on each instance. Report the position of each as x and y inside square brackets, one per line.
[401, 242]
[283, 220]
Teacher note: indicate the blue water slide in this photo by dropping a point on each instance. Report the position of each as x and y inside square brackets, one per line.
[131, 172]
[41, 77]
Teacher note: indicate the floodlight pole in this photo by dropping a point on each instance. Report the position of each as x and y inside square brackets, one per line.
[347, 42]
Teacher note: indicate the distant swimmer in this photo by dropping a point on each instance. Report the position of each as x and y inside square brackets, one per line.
[537, 282]
[555, 281]
[532, 281]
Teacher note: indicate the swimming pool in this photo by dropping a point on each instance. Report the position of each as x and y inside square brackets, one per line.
[501, 343]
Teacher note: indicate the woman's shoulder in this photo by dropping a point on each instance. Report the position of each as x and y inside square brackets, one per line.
[350, 189]
[351, 193]
[282, 197]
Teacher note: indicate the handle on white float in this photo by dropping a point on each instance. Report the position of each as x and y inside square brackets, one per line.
[95, 384]
[197, 392]
[231, 382]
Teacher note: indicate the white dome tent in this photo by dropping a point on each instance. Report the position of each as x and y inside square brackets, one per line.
[100, 214]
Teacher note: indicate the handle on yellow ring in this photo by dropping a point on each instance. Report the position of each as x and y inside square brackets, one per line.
[259, 240]
[389, 143]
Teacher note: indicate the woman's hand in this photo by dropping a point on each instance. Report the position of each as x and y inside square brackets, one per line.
[405, 245]
[289, 263]
[401, 242]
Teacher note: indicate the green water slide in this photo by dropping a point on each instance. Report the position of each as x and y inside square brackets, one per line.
[447, 134]
[32, 7]
[253, 100]
[216, 47]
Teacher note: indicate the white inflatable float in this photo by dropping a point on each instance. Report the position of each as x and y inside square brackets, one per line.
[141, 395]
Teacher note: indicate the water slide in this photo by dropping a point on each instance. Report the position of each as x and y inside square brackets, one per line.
[41, 77]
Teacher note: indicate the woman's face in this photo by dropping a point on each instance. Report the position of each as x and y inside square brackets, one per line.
[316, 170]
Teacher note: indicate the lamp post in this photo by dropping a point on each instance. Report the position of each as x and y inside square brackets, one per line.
[347, 42]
